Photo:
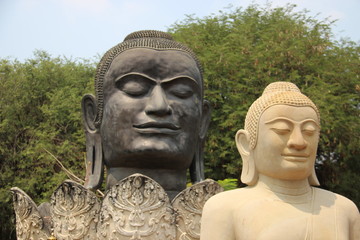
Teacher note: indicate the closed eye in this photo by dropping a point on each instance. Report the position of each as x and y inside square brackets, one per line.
[182, 93]
[308, 132]
[182, 87]
[134, 85]
[281, 131]
[309, 128]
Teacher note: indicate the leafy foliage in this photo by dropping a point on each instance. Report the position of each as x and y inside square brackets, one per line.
[243, 50]
[228, 183]
[40, 109]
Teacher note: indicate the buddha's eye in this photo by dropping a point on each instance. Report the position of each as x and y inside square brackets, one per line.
[281, 127]
[182, 88]
[181, 91]
[308, 132]
[134, 85]
[281, 131]
[134, 88]
[309, 129]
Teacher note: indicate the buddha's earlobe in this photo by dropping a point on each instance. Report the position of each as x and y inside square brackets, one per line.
[249, 174]
[205, 119]
[94, 153]
[197, 164]
[313, 180]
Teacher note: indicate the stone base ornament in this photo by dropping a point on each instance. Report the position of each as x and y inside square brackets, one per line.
[136, 208]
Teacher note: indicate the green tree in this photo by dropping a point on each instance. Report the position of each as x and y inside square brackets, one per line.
[243, 50]
[39, 112]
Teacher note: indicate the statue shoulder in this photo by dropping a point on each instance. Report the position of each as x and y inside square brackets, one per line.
[343, 204]
[228, 201]
[348, 210]
[346, 204]
[217, 218]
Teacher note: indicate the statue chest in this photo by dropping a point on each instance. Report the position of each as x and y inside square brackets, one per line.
[273, 219]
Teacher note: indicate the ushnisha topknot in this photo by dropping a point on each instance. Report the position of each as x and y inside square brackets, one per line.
[141, 39]
[148, 34]
[276, 93]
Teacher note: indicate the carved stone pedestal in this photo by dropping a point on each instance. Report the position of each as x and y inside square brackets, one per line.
[29, 222]
[136, 208]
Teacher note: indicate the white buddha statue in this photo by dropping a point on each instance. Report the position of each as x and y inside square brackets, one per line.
[278, 148]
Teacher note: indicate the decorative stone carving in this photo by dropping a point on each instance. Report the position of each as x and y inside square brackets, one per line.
[136, 208]
[188, 207]
[74, 212]
[29, 223]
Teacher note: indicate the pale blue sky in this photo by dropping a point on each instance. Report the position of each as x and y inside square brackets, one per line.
[86, 28]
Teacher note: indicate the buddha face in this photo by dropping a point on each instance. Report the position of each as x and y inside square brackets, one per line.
[287, 142]
[152, 109]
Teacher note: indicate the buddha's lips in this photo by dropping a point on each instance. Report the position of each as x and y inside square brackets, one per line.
[155, 125]
[296, 157]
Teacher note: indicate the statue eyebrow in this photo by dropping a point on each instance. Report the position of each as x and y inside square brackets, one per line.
[154, 80]
[137, 74]
[289, 120]
[180, 77]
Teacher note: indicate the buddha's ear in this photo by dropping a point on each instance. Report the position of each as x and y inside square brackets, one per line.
[205, 119]
[94, 152]
[242, 140]
[249, 174]
[89, 108]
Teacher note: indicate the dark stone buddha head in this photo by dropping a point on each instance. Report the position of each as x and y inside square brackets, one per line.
[148, 113]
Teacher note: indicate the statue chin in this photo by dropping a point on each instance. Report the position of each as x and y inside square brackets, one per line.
[150, 154]
[149, 159]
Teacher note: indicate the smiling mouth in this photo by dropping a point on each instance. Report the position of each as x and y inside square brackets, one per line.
[295, 157]
[157, 128]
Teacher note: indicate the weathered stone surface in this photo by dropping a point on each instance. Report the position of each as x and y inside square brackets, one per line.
[136, 208]
[188, 207]
[148, 115]
[74, 212]
[29, 223]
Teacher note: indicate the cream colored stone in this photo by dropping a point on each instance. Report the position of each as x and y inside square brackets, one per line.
[29, 222]
[74, 212]
[278, 166]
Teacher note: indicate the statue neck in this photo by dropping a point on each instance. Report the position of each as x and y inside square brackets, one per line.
[173, 181]
[292, 191]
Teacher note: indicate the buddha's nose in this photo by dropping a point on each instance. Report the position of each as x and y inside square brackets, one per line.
[158, 103]
[296, 139]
